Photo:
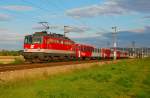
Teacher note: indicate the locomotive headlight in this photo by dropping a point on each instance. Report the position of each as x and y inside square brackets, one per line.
[32, 46]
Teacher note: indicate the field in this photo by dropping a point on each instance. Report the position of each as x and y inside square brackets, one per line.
[11, 59]
[125, 79]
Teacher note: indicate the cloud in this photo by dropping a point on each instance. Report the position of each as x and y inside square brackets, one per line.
[140, 36]
[4, 17]
[98, 41]
[79, 29]
[82, 36]
[7, 36]
[142, 6]
[139, 31]
[124, 38]
[146, 17]
[17, 8]
[111, 7]
[107, 8]
[3, 30]
[145, 29]
[10, 39]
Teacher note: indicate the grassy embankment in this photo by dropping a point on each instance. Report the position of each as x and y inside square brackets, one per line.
[11, 59]
[126, 79]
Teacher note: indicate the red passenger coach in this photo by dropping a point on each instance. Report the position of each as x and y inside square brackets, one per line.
[83, 51]
[118, 54]
[124, 54]
[106, 53]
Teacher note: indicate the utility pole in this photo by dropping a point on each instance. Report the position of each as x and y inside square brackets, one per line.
[133, 48]
[65, 30]
[114, 34]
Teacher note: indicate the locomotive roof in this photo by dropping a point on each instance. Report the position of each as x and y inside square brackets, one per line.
[85, 45]
[54, 35]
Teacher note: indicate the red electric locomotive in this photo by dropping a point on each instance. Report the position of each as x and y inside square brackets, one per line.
[42, 46]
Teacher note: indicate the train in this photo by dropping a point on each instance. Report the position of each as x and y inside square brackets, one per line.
[43, 47]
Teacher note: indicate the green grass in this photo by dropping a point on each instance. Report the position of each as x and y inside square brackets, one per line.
[126, 79]
[17, 61]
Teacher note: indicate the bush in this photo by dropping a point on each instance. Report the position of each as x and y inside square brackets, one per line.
[18, 61]
[10, 53]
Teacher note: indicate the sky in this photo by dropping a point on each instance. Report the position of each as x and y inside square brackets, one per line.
[89, 21]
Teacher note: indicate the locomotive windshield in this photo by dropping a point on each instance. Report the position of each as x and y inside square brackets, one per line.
[28, 40]
[32, 40]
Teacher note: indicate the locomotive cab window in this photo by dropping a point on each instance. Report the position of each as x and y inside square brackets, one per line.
[28, 40]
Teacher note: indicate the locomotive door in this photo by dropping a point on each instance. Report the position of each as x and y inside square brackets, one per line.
[78, 52]
[46, 43]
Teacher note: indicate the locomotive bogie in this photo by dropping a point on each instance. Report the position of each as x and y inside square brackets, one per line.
[47, 56]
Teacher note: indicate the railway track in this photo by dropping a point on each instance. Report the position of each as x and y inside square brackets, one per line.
[4, 68]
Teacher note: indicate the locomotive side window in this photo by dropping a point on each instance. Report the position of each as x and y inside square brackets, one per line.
[67, 43]
[49, 41]
[37, 40]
